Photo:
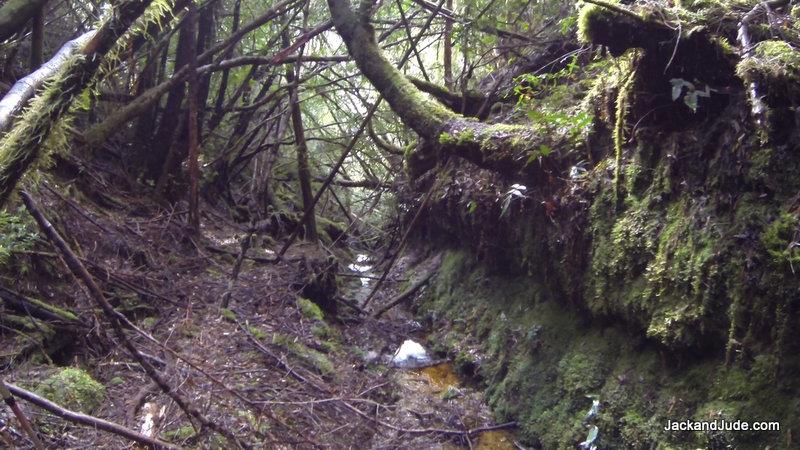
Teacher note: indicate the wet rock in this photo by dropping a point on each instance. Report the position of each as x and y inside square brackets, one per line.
[410, 355]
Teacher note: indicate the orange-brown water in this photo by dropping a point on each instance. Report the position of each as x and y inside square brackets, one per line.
[441, 376]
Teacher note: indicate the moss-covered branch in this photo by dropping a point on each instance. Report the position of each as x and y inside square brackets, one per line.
[504, 148]
[468, 104]
[24, 89]
[36, 308]
[23, 145]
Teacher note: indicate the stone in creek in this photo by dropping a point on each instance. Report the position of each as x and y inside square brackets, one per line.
[410, 355]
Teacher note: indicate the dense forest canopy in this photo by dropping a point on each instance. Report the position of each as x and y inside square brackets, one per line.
[592, 199]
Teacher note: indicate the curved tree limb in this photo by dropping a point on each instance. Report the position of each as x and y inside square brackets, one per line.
[382, 143]
[471, 102]
[503, 148]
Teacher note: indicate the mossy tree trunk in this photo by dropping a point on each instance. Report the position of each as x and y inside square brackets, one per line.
[303, 172]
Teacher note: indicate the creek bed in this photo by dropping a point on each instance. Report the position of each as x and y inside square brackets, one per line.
[428, 391]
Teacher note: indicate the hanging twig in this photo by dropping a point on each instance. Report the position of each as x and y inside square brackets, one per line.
[83, 419]
[403, 240]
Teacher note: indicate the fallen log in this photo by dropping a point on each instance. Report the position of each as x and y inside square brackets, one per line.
[37, 308]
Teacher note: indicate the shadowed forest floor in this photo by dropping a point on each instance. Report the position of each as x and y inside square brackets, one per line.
[274, 373]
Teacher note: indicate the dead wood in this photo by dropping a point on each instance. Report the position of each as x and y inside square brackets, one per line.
[84, 419]
[408, 293]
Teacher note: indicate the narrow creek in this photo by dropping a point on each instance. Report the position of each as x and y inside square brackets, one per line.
[424, 379]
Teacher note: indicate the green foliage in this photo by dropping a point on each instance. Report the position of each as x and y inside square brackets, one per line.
[550, 102]
[691, 95]
[16, 235]
[74, 389]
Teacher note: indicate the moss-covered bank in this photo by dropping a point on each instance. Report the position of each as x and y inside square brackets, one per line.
[662, 282]
[543, 365]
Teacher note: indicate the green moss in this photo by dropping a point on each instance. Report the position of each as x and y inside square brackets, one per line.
[583, 370]
[227, 314]
[781, 239]
[74, 389]
[446, 139]
[180, 434]
[257, 333]
[309, 356]
[309, 309]
[590, 18]
[775, 66]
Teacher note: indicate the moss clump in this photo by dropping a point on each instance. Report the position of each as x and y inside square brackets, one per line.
[74, 389]
[446, 139]
[781, 239]
[590, 18]
[227, 314]
[257, 333]
[309, 309]
[773, 62]
[312, 358]
[180, 434]
[774, 68]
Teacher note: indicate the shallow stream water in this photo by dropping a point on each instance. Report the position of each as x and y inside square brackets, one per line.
[426, 381]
